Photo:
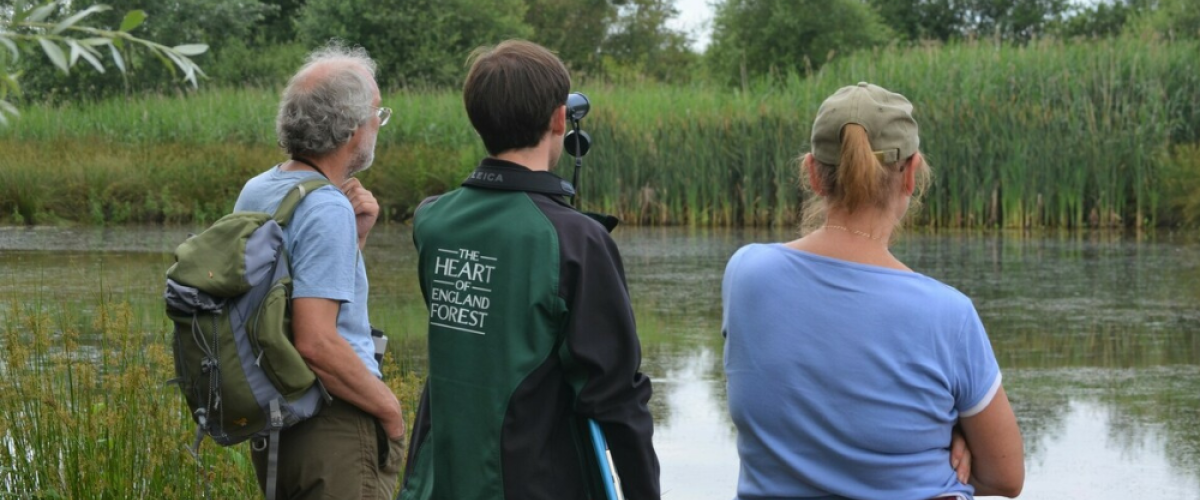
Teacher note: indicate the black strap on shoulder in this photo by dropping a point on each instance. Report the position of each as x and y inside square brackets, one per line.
[494, 174]
[310, 163]
[287, 207]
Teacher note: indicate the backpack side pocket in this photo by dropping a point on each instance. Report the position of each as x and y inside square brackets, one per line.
[271, 337]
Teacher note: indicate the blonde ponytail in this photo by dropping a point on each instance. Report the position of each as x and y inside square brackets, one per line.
[861, 179]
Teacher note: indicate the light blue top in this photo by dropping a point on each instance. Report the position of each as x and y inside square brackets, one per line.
[845, 379]
[322, 243]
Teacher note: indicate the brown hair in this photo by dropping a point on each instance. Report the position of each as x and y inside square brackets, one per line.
[860, 180]
[511, 92]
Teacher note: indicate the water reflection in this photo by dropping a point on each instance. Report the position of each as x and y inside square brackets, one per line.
[694, 445]
[1096, 453]
[1098, 335]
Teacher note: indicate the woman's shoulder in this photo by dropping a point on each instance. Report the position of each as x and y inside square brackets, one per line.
[756, 255]
[936, 294]
[751, 249]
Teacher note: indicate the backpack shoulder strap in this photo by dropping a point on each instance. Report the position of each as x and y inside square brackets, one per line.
[287, 207]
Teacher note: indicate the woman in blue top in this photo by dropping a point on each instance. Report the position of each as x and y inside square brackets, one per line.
[848, 371]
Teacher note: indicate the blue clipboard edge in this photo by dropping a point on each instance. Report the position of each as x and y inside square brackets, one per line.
[608, 474]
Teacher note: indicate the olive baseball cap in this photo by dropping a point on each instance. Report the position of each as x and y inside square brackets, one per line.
[886, 115]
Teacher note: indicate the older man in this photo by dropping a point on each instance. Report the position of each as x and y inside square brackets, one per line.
[328, 120]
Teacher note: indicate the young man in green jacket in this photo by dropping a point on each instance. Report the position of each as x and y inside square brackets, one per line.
[531, 332]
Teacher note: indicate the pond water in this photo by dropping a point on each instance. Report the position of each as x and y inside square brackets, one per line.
[1098, 335]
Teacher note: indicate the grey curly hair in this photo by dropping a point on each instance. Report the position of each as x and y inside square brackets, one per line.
[318, 115]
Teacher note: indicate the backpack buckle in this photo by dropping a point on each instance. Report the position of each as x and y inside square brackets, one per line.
[276, 415]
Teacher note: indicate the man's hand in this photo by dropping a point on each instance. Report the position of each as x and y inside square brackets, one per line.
[960, 456]
[394, 426]
[366, 209]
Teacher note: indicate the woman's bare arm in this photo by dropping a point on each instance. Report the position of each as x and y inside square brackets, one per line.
[997, 453]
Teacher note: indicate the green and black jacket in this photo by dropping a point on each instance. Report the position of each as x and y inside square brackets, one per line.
[530, 334]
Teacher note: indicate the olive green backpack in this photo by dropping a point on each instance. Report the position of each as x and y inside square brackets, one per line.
[229, 297]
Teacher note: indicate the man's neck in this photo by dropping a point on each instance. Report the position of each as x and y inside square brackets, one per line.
[535, 158]
[332, 166]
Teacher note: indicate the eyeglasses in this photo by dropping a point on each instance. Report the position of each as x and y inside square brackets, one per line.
[384, 114]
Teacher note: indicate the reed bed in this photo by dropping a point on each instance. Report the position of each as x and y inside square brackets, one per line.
[1066, 135]
[1049, 134]
[86, 412]
[62, 181]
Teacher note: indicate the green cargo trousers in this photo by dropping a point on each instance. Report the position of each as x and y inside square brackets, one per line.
[342, 453]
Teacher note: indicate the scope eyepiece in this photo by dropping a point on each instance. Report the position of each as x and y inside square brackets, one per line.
[577, 106]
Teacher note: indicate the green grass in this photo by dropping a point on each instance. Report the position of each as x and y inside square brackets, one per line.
[86, 412]
[1049, 134]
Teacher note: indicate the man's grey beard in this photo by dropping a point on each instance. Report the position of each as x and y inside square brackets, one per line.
[363, 158]
[362, 161]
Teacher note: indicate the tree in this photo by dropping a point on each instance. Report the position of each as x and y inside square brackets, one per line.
[205, 21]
[278, 23]
[25, 25]
[613, 38]
[752, 38]
[640, 42]
[1104, 19]
[210, 22]
[574, 29]
[1172, 19]
[922, 19]
[1017, 20]
[415, 41]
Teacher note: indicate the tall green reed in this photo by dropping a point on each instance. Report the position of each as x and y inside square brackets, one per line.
[1047, 134]
[86, 413]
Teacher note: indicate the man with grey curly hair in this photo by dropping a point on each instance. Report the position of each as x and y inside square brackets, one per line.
[317, 117]
[329, 117]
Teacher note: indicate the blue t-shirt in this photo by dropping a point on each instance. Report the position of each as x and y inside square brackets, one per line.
[322, 243]
[845, 379]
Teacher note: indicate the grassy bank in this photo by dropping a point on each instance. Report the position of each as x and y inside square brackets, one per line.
[1074, 135]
